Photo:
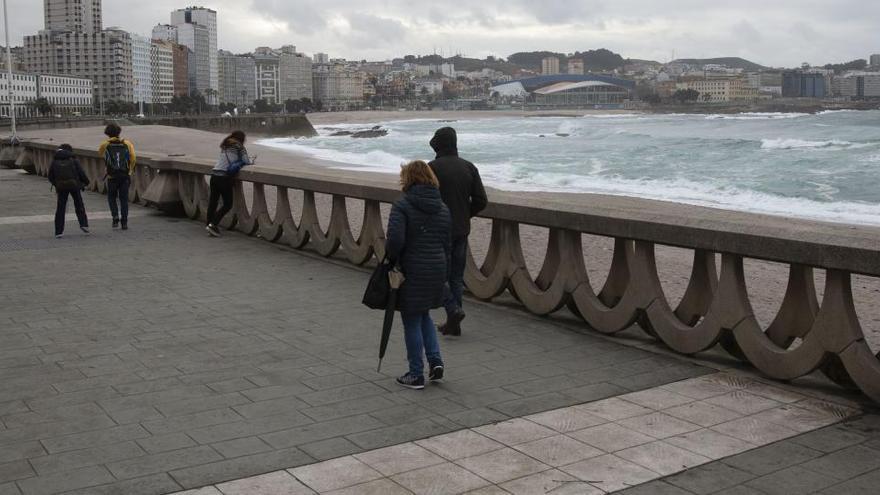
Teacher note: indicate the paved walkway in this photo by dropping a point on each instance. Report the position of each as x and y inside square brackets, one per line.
[159, 359]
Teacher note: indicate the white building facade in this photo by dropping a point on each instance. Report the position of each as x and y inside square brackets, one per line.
[68, 95]
[141, 69]
[24, 90]
[208, 19]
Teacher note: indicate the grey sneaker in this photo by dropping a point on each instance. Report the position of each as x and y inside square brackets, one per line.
[213, 231]
[85, 229]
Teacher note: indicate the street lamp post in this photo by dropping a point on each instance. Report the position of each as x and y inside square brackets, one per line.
[9, 71]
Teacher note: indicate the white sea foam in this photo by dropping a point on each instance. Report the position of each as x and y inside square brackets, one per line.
[756, 116]
[376, 160]
[790, 144]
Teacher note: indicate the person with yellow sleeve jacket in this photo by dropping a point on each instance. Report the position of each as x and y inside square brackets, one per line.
[120, 160]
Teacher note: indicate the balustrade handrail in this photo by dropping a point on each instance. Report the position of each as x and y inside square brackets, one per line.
[805, 242]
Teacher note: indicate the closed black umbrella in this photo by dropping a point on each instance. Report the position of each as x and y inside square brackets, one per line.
[395, 280]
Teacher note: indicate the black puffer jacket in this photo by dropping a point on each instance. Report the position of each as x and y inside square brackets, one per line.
[61, 157]
[419, 240]
[460, 184]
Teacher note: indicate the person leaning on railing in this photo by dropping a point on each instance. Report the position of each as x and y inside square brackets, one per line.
[233, 156]
[419, 241]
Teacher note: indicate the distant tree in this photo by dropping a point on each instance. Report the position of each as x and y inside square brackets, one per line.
[293, 106]
[686, 95]
[227, 107]
[41, 106]
[318, 105]
[858, 64]
[707, 97]
[652, 99]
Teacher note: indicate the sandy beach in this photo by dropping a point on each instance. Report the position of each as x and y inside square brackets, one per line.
[766, 281]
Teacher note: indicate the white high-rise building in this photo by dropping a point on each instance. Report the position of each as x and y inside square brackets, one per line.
[322, 58]
[294, 75]
[141, 71]
[165, 32]
[80, 16]
[208, 18]
[162, 70]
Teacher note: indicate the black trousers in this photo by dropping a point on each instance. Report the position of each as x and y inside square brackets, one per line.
[61, 210]
[221, 187]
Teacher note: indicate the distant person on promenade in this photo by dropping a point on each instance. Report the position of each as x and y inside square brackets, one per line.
[462, 190]
[119, 159]
[69, 179]
[233, 156]
[419, 241]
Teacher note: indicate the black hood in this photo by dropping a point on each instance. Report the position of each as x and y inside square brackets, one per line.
[425, 198]
[61, 154]
[445, 142]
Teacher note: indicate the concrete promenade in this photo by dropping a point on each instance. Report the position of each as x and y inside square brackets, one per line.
[158, 360]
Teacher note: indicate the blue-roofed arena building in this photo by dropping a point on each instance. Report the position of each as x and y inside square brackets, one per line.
[569, 91]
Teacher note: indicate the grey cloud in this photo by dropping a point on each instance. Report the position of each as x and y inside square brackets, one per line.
[824, 31]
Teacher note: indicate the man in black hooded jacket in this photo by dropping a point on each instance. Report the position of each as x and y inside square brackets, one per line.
[68, 178]
[462, 190]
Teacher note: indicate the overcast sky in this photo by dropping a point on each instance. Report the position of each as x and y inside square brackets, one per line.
[770, 32]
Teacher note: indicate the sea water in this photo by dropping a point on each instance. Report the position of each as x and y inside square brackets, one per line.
[824, 166]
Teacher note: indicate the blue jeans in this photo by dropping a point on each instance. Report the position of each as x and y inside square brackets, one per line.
[420, 335]
[458, 262]
[117, 189]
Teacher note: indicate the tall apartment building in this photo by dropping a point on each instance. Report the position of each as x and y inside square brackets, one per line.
[73, 43]
[185, 20]
[196, 38]
[875, 60]
[82, 16]
[294, 75]
[338, 87]
[181, 57]
[162, 70]
[550, 66]
[141, 69]
[104, 57]
[237, 79]
[322, 58]
[165, 32]
[576, 66]
[266, 75]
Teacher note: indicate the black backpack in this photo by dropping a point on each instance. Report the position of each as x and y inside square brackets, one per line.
[117, 158]
[66, 176]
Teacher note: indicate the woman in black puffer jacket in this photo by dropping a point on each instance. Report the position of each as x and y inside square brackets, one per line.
[419, 240]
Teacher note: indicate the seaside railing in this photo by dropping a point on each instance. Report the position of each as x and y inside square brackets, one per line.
[806, 335]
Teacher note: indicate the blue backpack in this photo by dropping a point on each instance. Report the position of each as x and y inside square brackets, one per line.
[117, 158]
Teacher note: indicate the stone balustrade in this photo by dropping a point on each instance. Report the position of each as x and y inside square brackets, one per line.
[805, 335]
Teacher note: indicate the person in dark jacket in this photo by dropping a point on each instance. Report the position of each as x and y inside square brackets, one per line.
[462, 190]
[233, 156]
[419, 241]
[69, 179]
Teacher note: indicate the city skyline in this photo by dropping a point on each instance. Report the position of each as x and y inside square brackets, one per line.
[783, 35]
